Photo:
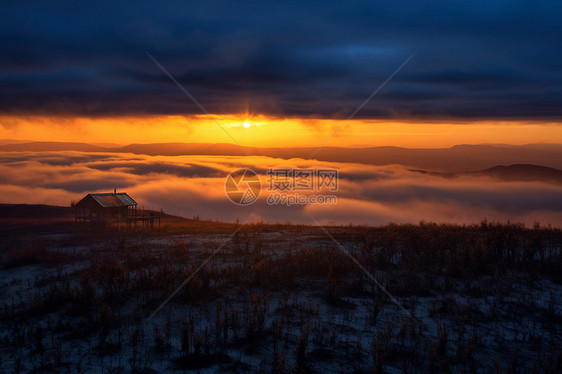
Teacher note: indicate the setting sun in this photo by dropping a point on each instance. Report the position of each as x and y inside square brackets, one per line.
[267, 131]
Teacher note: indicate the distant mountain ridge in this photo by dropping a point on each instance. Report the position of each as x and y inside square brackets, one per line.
[508, 173]
[50, 146]
[459, 158]
[525, 172]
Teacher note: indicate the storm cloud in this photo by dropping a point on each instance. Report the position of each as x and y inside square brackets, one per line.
[477, 59]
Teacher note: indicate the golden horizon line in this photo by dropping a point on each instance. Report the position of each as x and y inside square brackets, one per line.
[109, 145]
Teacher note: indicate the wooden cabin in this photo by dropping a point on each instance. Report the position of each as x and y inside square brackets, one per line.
[106, 208]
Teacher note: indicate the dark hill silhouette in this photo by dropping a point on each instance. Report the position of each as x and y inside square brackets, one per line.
[178, 149]
[37, 211]
[509, 173]
[51, 146]
[26, 221]
[525, 172]
[459, 158]
[454, 159]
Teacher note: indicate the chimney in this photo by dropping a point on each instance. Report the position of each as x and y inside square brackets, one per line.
[115, 191]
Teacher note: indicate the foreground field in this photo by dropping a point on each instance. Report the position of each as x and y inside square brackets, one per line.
[283, 299]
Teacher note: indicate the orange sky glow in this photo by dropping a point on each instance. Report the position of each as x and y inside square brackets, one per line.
[261, 131]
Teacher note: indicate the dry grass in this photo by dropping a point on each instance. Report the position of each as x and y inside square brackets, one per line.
[287, 305]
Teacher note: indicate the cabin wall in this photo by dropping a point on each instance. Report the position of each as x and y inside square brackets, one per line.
[93, 212]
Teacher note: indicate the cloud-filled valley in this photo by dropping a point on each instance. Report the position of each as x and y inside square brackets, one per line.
[194, 186]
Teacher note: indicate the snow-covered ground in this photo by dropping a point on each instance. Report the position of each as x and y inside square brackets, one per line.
[281, 301]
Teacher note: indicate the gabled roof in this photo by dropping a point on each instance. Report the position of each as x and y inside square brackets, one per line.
[108, 200]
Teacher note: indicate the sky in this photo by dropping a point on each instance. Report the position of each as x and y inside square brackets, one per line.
[476, 72]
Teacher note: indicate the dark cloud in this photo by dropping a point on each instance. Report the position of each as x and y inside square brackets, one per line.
[85, 185]
[475, 59]
[186, 170]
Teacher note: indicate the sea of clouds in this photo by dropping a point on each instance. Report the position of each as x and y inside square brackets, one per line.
[194, 186]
